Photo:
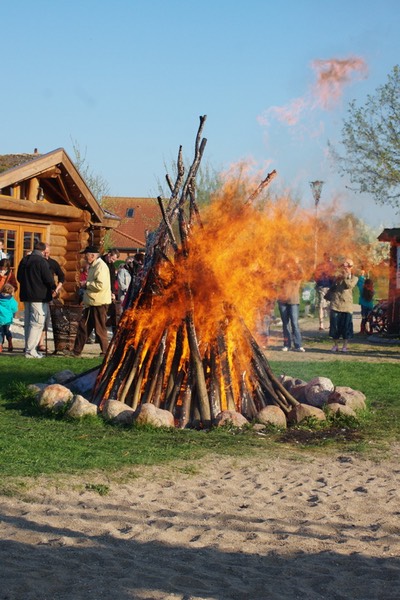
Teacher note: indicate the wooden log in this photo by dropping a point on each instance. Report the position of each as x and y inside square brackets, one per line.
[187, 399]
[198, 373]
[176, 390]
[214, 389]
[154, 369]
[59, 229]
[226, 373]
[176, 360]
[122, 395]
[43, 208]
[58, 241]
[73, 236]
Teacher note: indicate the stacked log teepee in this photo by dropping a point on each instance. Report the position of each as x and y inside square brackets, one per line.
[161, 353]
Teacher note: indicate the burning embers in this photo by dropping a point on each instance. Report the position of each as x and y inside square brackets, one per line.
[184, 344]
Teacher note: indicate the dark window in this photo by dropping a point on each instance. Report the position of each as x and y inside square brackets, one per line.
[130, 212]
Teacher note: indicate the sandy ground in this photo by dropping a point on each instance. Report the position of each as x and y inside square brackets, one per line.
[281, 528]
[299, 527]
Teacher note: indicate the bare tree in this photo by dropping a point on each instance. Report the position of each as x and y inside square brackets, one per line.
[96, 183]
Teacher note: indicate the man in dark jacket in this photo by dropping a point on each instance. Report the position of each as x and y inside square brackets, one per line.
[59, 279]
[37, 288]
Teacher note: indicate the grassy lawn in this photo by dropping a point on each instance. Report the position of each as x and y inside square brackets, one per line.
[32, 444]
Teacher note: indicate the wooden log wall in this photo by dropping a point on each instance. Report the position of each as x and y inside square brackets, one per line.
[67, 239]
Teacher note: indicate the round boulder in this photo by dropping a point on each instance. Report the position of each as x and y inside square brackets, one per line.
[347, 396]
[317, 391]
[230, 417]
[80, 407]
[55, 397]
[118, 412]
[157, 417]
[341, 409]
[272, 415]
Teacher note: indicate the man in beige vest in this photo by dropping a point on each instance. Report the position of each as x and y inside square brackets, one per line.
[96, 301]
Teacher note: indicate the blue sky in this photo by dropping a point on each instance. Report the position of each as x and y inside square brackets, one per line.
[128, 79]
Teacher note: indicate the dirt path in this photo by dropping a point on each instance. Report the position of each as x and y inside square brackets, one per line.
[318, 344]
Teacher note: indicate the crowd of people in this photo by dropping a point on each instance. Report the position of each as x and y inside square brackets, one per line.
[40, 278]
[334, 301]
[103, 288]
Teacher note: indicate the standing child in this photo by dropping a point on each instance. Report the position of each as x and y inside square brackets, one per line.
[366, 289]
[8, 308]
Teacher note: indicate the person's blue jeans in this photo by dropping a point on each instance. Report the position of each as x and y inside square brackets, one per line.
[290, 324]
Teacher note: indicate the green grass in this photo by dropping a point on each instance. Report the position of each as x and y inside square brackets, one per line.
[32, 444]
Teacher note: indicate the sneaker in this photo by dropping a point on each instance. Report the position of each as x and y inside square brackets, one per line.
[322, 328]
[301, 349]
[334, 349]
[285, 349]
[345, 349]
[37, 355]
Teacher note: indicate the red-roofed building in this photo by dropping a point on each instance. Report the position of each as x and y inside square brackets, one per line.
[138, 217]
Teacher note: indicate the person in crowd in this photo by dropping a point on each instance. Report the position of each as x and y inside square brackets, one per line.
[37, 288]
[289, 304]
[340, 296]
[324, 275]
[59, 279]
[2, 253]
[6, 274]
[366, 299]
[83, 275]
[124, 278]
[109, 258]
[136, 268]
[96, 301]
[8, 308]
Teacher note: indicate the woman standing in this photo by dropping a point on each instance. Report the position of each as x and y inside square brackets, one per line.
[341, 304]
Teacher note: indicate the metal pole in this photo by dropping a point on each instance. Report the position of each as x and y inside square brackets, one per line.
[316, 187]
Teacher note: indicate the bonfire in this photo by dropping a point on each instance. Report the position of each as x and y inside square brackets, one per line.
[184, 342]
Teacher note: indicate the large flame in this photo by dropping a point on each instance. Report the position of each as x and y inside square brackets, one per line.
[209, 294]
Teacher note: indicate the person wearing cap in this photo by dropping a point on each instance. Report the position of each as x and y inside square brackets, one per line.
[96, 301]
[341, 306]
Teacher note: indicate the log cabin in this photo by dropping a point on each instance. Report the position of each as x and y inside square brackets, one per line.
[44, 198]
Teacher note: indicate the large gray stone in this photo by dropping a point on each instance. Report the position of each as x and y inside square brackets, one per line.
[317, 391]
[80, 407]
[272, 415]
[304, 411]
[62, 376]
[346, 395]
[157, 417]
[342, 409]
[230, 417]
[118, 412]
[55, 397]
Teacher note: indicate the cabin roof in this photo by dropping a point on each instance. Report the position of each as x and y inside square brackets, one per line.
[57, 174]
[138, 216]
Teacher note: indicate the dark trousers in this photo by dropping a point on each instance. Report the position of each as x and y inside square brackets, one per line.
[93, 317]
[5, 333]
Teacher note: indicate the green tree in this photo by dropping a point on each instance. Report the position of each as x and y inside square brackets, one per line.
[371, 139]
